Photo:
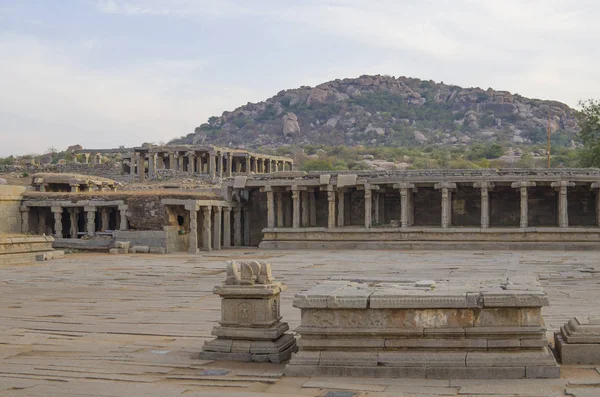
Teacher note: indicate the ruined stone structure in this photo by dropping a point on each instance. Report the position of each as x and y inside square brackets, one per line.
[429, 209]
[192, 159]
[67, 182]
[424, 329]
[10, 201]
[578, 341]
[250, 328]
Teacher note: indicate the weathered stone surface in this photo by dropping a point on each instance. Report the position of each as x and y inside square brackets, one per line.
[425, 325]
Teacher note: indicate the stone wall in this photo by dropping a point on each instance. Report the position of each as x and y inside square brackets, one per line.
[150, 238]
[257, 207]
[428, 208]
[175, 242]
[505, 206]
[146, 213]
[10, 215]
[581, 206]
[466, 206]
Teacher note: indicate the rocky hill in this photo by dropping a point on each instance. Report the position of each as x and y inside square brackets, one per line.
[389, 111]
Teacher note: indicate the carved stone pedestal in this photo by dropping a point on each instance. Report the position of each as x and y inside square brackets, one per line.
[250, 328]
[578, 341]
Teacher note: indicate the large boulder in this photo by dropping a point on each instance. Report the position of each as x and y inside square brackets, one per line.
[419, 137]
[290, 124]
[316, 96]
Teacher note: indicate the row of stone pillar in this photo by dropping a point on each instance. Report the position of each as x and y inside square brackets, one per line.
[96, 158]
[374, 204]
[216, 227]
[302, 212]
[74, 213]
[217, 164]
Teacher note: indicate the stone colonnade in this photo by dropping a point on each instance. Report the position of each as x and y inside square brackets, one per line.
[215, 230]
[302, 208]
[96, 217]
[212, 161]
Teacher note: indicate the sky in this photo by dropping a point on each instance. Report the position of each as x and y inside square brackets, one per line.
[106, 73]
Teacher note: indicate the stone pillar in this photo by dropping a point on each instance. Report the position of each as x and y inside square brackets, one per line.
[151, 164]
[211, 164]
[248, 164]
[171, 161]
[237, 227]
[217, 228]
[522, 186]
[191, 162]
[104, 218]
[91, 220]
[133, 163]
[74, 187]
[596, 186]
[305, 208]
[24, 219]
[123, 217]
[446, 188]
[280, 222]
[341, 202]
[313, 207]
[405, 205]
[376, 208]
[226, 227]
[198, 164]
[73, 214]
[230, 164]
[206, 228]
[270, 207]
[220, 161]
[193, 233]
[142, 167]
[296, 207]
[381, 207]
[265, 166]
[330, 207]
[484, 187]
[368, 206]
[563, 213]
[180, 162]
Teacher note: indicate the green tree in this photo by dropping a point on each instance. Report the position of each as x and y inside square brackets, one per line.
[589, 122]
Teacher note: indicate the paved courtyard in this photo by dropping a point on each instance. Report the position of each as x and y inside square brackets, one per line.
[133, 325]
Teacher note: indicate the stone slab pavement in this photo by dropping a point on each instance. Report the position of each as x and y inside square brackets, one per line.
[133, 325]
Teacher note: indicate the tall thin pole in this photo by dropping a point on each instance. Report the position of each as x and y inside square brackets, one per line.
[548, 150]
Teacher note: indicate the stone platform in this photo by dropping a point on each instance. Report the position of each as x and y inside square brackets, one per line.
[433, 238]
[424, 329]
[20, 249]
[578, 341]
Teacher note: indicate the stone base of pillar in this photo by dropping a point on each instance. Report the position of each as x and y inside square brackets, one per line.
[250, 328]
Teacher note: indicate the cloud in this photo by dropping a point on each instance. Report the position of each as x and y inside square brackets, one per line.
[178, 8]
[51, 99]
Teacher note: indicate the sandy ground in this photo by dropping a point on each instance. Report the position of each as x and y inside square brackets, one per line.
[132, 325]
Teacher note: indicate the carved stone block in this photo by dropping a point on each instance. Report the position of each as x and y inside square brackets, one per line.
[438, 329]
[250, 327]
